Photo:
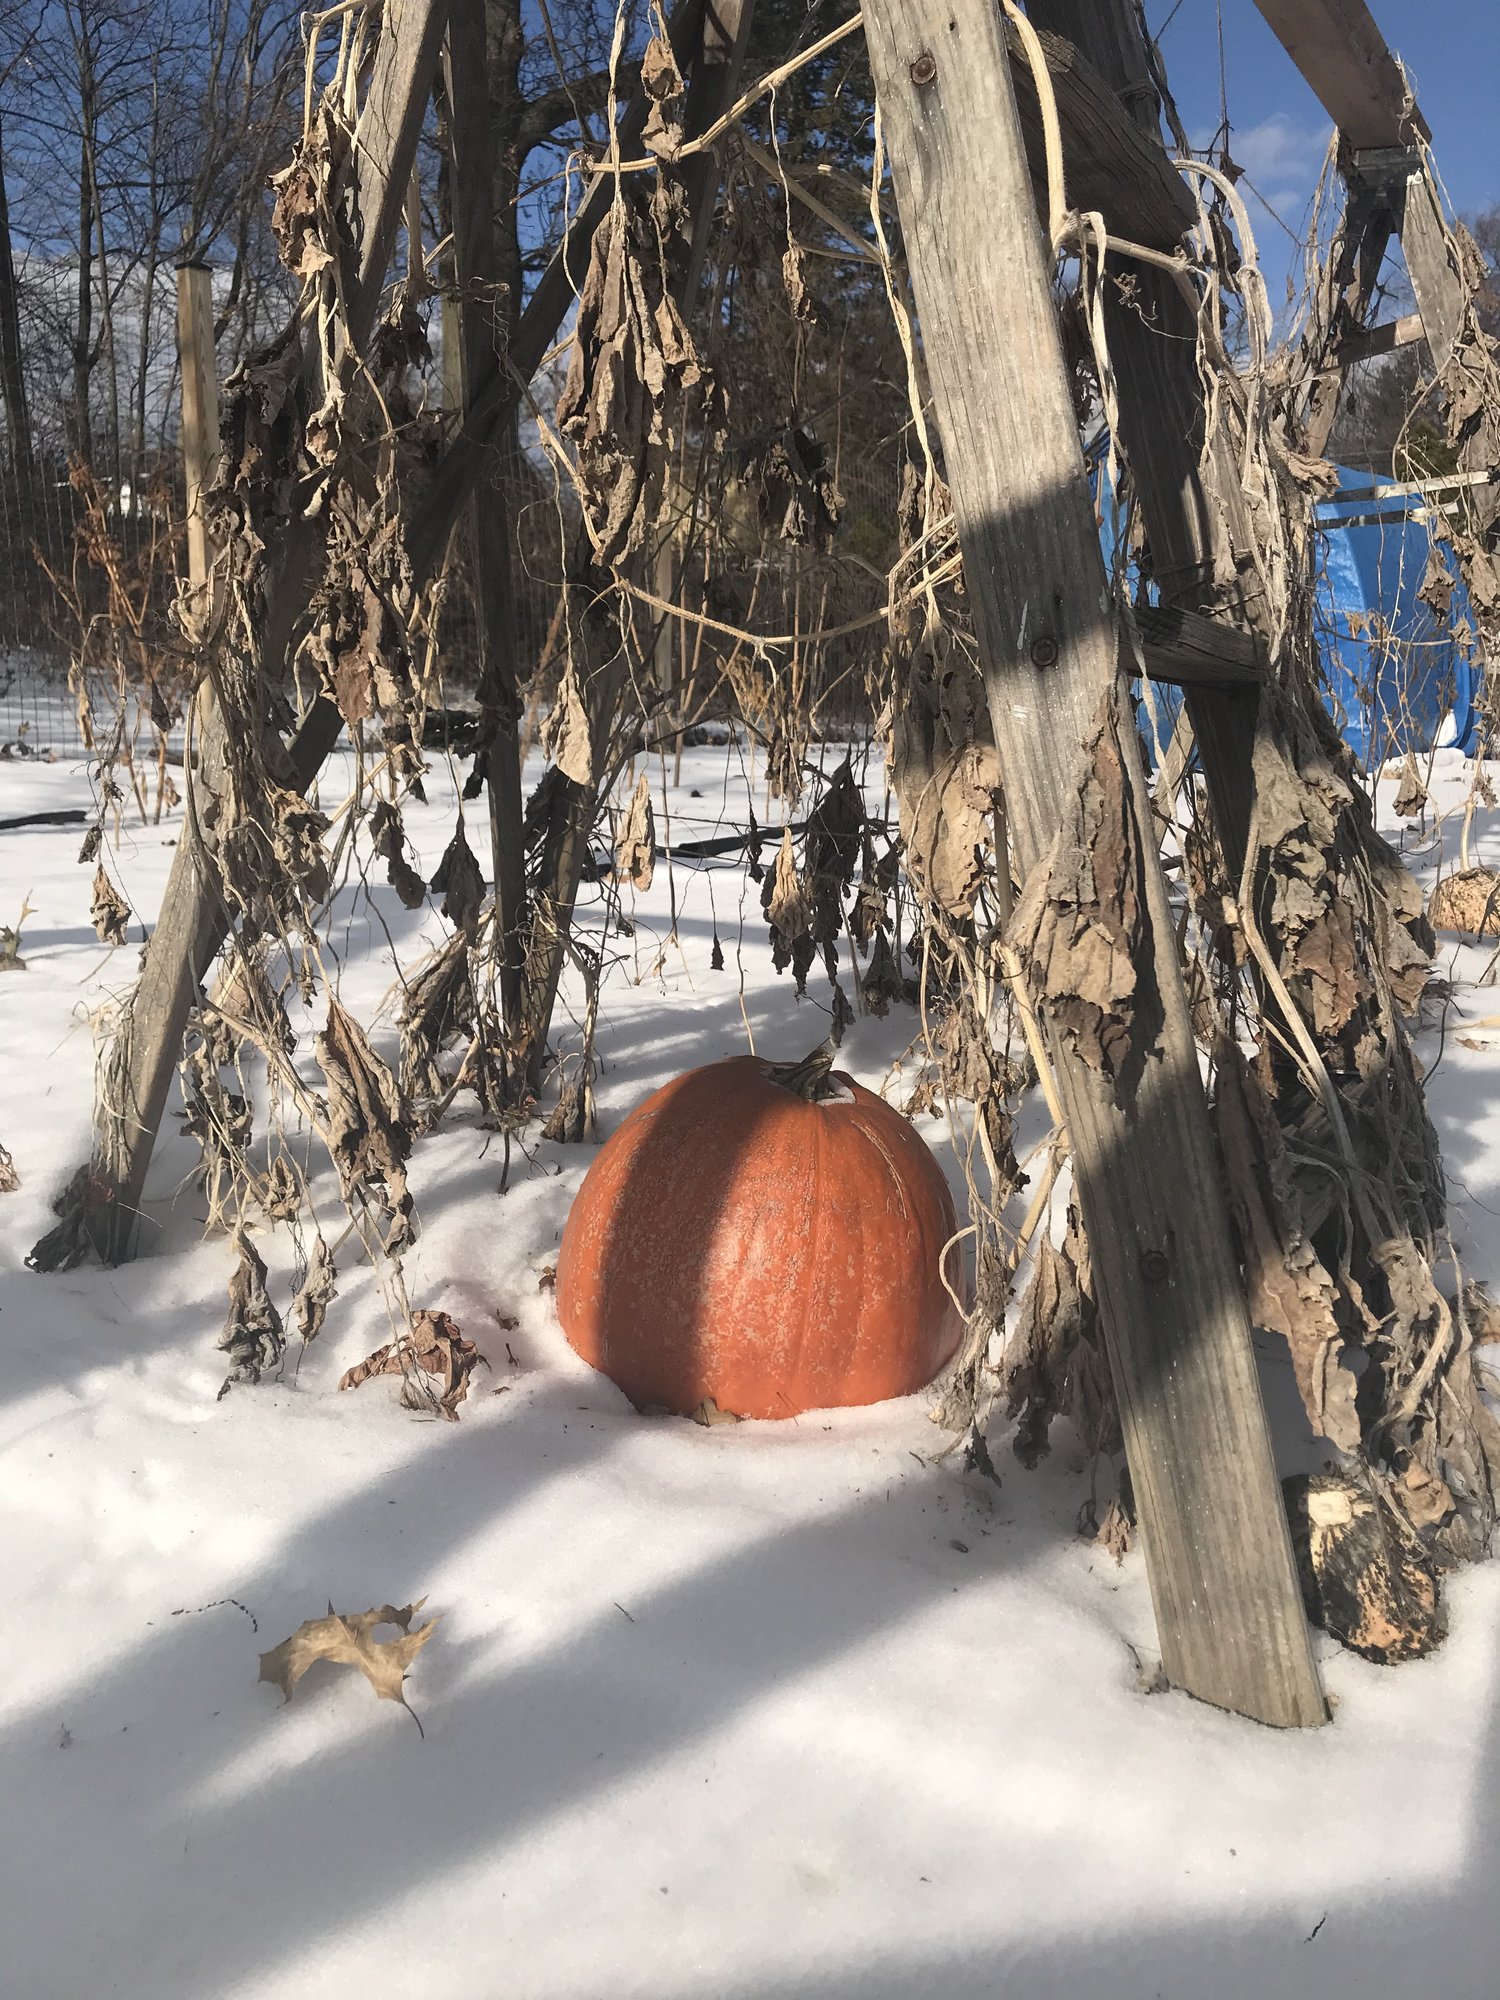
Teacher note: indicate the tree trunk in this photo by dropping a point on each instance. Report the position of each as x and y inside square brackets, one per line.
[12, 365]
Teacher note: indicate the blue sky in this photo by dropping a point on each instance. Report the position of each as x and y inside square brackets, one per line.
[1451, 48]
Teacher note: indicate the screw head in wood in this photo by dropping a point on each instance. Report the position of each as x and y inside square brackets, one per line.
[1044, 651]
[1154, 1266]
[924, 69]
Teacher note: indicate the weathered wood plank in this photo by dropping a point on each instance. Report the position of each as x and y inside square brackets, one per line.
[1343, 56]
[1439, 291]
[200, 411]
[1191, 651]
[1109, 166]
[1218, 1553]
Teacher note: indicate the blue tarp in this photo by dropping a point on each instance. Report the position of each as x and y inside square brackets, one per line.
[1395, 680]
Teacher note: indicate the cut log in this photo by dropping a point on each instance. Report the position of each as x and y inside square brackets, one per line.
[1219, 1557]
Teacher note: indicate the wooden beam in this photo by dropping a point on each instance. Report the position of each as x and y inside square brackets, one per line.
[1187, 650]
[1377, 340]
[1229, 1612]
[1110, 168]
[1442, 300]
[1343, 56]
[200, 414]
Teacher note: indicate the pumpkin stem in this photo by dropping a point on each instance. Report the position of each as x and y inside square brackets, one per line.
[809, 1078]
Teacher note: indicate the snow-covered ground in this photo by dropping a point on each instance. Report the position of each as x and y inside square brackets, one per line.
[745, 1711]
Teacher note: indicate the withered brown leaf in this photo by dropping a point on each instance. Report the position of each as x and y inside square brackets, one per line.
[109, 911]
[368, 1119]
[459, 880]
[434, 1347]
[345, 1638]
[253, 1337]
[635, 849]
[316, 1292]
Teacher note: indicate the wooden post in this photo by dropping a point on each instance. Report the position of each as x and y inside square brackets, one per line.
[713, 81]
[200, 412]
[491, 544]
[137, 1076]
[1218, 1552]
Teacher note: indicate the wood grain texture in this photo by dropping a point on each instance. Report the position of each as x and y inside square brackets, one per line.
[1228, 1608]
[1435, 282]
[1343, 56]
[1191, 651]
[1109, 166]
[200, 410]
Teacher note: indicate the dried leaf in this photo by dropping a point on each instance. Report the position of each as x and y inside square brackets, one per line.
[368, 1120]
[1411, 794]
[804, 306]
[389, 842]
[459, 880]
[635, 379]
[945, 770]
[635, 846]
[1290, 1292]
[566, 736]
[787, 902]
[1081, 926]
[573, 1116]
[1364, 1576]
[347, 1640]
[1469, 901]
[1116, 1531]
[253, 1336]
[316, 1292]
[109, 911]
[797, 498]
[1055, 1364]
[439, 1006]
[661, 79]
[708, 1414]
[433, 1347]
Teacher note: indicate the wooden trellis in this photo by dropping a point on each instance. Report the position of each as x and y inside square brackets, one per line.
[973, 101]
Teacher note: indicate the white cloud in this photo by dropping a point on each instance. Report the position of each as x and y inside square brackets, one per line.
[1279, 152]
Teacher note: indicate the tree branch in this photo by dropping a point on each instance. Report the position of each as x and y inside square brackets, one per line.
[555, 109]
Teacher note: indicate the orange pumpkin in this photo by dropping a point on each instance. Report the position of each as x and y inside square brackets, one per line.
[767, 1236]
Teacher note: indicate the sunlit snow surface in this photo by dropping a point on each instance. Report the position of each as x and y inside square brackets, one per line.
[742, 1711]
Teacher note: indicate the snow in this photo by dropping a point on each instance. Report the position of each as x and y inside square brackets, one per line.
[745, 1711]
